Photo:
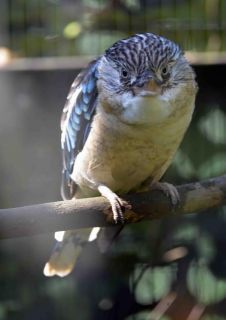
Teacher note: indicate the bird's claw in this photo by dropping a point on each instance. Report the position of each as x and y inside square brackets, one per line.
[119, 206]
[169, 190]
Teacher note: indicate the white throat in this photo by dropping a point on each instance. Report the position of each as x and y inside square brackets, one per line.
[148, 109]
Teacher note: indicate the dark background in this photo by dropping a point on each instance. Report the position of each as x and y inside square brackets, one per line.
[40, 44]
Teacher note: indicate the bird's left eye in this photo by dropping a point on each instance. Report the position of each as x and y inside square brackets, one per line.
[165, 71]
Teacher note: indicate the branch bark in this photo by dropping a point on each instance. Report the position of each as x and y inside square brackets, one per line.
[92, 212]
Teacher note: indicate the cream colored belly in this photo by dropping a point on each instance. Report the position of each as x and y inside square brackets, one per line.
[129, 168]
[123, 162]
[121, 155]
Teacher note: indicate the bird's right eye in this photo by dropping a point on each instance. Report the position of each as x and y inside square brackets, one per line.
[124, 73]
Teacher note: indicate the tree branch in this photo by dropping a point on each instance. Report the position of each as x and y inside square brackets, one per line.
[91, 212]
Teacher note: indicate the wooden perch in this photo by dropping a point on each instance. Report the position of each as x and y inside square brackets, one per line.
[81, 213]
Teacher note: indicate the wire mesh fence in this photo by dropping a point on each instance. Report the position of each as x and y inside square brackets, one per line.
[31, 28]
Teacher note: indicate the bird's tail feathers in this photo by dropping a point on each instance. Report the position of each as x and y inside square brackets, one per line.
[69, 245]
[62, 260]
[66, 252]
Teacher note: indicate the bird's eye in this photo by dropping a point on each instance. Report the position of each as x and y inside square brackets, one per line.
[124, 73]
[165, 71]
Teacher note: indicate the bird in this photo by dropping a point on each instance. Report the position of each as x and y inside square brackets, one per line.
[124, 119]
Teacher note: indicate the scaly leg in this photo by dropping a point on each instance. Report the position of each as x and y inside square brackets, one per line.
[168, 189]
[118, 205]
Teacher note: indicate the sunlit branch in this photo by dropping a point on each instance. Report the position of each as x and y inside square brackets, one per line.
[90, 212]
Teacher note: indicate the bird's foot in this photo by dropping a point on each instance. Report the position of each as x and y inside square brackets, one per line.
[118, 205]
[169, 190]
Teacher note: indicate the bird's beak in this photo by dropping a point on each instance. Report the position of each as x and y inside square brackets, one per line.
[150, 88]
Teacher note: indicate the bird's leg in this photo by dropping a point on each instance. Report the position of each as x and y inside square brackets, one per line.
[118, 205]
[168, 189]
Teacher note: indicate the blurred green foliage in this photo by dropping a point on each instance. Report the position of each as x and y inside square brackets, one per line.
[66, 27]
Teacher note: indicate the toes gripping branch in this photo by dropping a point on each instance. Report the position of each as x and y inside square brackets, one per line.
[169, 190]
[118, 205]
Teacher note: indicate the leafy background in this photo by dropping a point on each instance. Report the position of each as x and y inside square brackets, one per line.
[87, 27]
[180, 259]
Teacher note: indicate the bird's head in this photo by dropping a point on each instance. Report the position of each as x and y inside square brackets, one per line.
[137, 73]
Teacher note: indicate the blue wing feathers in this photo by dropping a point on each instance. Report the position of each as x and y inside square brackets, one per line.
[76, 119]
[78, 110]
[90, 85]
[85, 107]
[86, 98]
[68, 142]
[87, 116]
[76, 122]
